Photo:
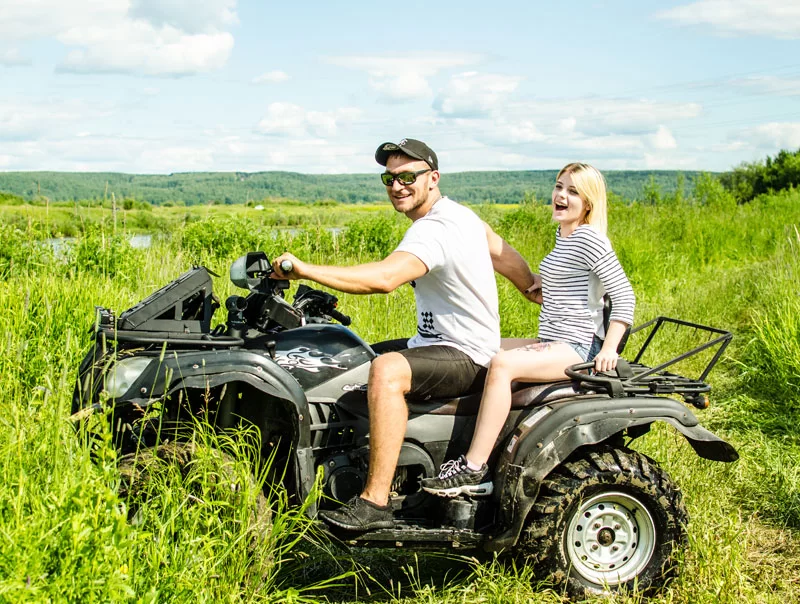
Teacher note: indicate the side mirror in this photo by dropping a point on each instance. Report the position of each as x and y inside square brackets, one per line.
[250, 270]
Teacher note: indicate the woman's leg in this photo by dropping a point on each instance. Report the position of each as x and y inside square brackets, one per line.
[541, 362]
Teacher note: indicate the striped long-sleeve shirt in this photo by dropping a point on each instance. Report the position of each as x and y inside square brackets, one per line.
[575, 276]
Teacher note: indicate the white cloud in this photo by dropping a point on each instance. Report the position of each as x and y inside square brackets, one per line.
[287, 119]
[663, 139]
[773, 18]
[13, 58]
[176, 159]
[770, 85]
[774, 135]
[21, 120]
[514, 161]
[137, 47]
[663, 161]
[118, 153]
[190, 16]
[319, 157]
[271, 77]
[618, 143]
[47, 18]
[587, 116]
[501, 131]
[567, 124]
[604, 126]
[153, 38]
[400, 79]
[601, 116]
[736, 145]
[471, 94]
[401, 87]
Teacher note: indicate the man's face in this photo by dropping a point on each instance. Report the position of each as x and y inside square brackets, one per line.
[409, 198]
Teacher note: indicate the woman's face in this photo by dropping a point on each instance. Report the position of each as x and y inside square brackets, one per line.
[569, 209]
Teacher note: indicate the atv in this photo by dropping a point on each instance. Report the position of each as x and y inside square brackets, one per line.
[570, 496]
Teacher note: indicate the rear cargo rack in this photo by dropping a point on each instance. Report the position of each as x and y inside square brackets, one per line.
[722, 340]
[634, 378]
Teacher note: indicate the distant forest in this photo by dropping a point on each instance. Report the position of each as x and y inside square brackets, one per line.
[241, 187]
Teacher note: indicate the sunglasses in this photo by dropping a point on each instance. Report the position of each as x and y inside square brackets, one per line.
[404, 178]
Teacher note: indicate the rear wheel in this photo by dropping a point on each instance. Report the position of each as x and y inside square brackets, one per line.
[608, 519]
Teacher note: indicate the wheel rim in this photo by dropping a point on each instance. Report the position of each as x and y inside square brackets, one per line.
[611, 538]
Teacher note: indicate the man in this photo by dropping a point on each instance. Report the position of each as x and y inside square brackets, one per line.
[449, 256]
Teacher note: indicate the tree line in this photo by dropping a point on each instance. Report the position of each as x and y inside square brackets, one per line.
[743, 183]
[194, 188]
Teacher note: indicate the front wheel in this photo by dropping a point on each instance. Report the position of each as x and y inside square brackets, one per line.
[608, 519]
[169, 479]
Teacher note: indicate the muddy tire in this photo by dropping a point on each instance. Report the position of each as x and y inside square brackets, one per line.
[605, 521]
[194, 474]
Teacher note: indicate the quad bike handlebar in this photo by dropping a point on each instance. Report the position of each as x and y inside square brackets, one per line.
[572, 370]
[325, 303]
[632, 379]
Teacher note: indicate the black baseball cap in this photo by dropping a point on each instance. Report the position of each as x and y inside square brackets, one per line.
[408, 146]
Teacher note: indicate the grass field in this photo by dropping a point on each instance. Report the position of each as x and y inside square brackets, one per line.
[64, 529]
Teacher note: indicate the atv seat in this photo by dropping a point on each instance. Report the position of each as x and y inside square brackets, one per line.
[523, 394]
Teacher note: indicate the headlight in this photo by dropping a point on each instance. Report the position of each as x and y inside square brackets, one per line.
[124, 374]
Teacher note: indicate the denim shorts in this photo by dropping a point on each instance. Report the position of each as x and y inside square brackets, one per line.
[587, 353]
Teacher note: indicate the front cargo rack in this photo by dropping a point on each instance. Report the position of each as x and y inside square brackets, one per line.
[633, 378]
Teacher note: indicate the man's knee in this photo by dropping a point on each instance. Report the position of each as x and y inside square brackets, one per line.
[390, 371]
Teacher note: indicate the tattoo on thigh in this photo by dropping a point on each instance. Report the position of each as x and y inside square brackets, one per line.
[537, 346]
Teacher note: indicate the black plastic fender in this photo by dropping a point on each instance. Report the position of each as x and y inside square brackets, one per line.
[550, 433]
[210, 368]
[201, 369]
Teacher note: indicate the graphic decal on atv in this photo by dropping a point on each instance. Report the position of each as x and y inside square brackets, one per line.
[354, 388]
[306, 359]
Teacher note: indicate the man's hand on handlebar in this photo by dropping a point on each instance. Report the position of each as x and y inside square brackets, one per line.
[287, 266]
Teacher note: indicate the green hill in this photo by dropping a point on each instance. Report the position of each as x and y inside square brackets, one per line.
[240, 187]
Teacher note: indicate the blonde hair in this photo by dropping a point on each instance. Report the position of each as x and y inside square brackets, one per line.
[591, 187]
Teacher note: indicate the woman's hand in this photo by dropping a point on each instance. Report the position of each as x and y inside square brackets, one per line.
[606, 360]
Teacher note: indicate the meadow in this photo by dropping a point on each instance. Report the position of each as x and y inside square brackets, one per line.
[64, 527]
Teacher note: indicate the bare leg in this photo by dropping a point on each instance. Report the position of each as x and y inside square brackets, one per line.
[542, 362]
[389, 381]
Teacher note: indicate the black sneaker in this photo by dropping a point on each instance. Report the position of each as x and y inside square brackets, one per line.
[360, 515]
[456, 478]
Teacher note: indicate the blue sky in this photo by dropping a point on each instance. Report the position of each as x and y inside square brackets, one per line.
[160, 86]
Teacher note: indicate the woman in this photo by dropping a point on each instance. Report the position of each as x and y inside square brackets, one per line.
[574, 277]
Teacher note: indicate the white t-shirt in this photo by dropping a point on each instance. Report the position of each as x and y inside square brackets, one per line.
[457, 298]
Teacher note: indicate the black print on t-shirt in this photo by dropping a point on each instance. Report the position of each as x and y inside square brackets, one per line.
[426, 330]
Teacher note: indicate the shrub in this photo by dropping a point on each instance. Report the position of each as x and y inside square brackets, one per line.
[9, 199]
[110, 255]
[221, 237]
[709, 191]
[375, 237]
[750, 180]
[21, 250]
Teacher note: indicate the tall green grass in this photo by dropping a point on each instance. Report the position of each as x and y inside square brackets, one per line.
[66, 532]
